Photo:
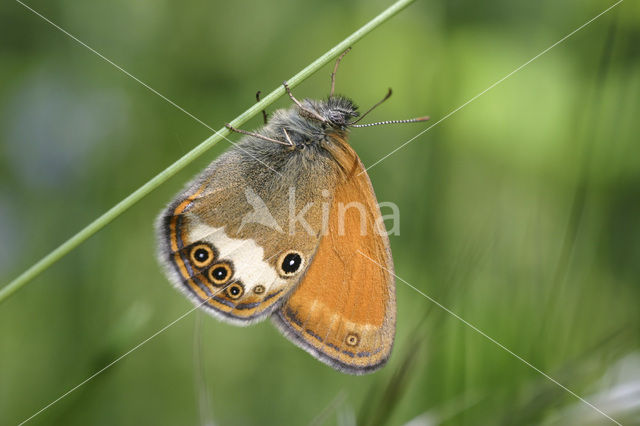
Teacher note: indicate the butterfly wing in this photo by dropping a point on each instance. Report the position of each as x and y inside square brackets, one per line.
[223, 240]
[343, 310]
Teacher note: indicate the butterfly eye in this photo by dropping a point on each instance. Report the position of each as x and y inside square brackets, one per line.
[220, 273]
[201, 255]
[235, 290]
[290, 263]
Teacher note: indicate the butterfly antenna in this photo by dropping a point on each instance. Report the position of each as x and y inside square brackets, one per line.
[335, 69]
[264, 113]
[387, 96]
[410, 120]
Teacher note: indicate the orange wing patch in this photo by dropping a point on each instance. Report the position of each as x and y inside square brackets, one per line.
[343, 311]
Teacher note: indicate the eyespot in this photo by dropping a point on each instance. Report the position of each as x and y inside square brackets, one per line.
[220, 273]
[352, 339]
[290, 263]
[201, 255]
[259, 289]
[235, 290]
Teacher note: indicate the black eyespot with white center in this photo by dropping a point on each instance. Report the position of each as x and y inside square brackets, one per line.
[220, 273]
[201, 255]
[235, 290]
[290, 263]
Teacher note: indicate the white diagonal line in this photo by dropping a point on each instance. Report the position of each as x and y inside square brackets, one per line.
[88, 379]
[114, 64]
[494, 85]
[113, 362]
[140, 81]
[322, 416]
[491, 339]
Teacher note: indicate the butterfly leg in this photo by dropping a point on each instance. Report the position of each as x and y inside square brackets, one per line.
[264, 113]
[306, 111]
[287, 136]
[256, 135]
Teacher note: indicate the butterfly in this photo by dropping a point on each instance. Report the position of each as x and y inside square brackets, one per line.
[285, 225]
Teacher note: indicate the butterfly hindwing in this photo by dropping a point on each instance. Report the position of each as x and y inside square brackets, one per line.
[223, 240]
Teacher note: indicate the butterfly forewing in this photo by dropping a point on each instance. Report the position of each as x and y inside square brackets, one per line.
[343, 311]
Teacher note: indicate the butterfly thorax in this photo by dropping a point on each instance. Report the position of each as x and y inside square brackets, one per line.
[309, 145]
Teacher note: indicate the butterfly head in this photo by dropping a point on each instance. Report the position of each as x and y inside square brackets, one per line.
[340, 111]
[336, 112]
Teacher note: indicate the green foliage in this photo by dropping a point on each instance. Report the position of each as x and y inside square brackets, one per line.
[521, 212]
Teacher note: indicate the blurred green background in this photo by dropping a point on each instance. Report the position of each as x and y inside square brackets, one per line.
[520, 213]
